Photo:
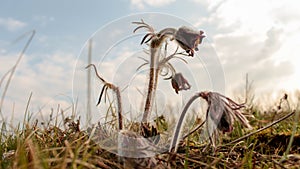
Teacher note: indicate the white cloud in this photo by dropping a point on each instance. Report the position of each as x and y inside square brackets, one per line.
[11, 24]
[140, 4]
[251, 15]
[256, 37]
[43, 20]
[210, 4]
[241, 54]
[47, 79]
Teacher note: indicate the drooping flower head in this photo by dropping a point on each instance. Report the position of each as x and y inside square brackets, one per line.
[223, 111]
[189, 39]
[179, 83]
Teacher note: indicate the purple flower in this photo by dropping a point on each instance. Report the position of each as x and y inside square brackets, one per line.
[223, 111]
[179, 83]
[189, 39]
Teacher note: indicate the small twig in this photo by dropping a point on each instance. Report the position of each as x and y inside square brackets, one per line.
[261, 129]
[194, 130]
[278, 163]
[193, 161]
[271, 158]
[287, 151]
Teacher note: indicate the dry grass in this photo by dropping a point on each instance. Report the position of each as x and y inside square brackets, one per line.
[53, 147]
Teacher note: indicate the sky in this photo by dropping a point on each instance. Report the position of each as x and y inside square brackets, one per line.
[258, 38]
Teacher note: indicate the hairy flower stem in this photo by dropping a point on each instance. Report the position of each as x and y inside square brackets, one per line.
[118, 95]
[179, 125]
[155, 48]
[116, 90]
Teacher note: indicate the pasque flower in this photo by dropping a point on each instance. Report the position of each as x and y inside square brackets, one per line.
[189, 39]
[179, 83]
[223, 111]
